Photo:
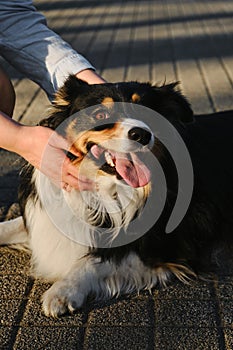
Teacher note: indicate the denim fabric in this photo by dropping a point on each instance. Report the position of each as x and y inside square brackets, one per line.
[33, 49]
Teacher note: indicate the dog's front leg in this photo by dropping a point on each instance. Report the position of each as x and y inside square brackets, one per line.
[70, 293]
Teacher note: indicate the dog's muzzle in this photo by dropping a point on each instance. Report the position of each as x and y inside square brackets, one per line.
[124, 156]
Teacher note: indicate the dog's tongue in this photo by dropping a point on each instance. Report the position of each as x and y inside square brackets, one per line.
[135, 173]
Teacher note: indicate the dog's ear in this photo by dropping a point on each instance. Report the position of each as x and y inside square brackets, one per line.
[166, 99]
[72, 88]
[169, 101]
[64, 100]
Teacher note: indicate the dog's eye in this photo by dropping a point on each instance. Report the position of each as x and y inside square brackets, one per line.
[101, 115]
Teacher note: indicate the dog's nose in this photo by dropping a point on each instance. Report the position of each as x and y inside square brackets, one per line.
[140, 135]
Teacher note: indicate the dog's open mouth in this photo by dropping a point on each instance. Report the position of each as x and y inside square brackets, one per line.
[126, 166]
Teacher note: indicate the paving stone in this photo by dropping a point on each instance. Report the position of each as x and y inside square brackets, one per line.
[13, 261]
[9, 311]
[51, 338]
[225, 287]
[182, 338]
[185, 313]
[6, 341]
[200, 290]
[9, 162]
[26, 91]
[14, 286]
[119, 338]
[137, 311]
[34, 316]
[228, 333]
[37, 110]
[226, 312]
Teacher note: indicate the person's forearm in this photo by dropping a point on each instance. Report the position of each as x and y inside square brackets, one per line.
[16, 137]
[21, 139]
[35, 50]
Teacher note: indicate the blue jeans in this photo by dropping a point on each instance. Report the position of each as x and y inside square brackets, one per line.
[33, 49]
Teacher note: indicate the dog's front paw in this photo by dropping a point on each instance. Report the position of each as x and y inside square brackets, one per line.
[60, 299]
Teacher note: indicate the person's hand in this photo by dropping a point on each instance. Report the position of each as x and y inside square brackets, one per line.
[90, 76]
[45, 149]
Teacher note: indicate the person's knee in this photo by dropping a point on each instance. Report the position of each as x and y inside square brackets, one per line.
[7, 94]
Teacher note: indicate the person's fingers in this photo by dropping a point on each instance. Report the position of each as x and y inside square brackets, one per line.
[81, 184]
[69, 168]
[73, 170]
[56, 165]
[72, 176]
[67, 181]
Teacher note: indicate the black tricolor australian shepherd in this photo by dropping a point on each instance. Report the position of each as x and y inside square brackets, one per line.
[79, 270]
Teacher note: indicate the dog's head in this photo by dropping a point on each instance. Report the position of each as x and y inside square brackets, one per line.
[106, 130]
[112, 144]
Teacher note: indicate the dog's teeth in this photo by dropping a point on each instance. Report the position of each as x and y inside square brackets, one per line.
[109, 159]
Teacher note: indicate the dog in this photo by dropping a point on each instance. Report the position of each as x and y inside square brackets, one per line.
[100, 122]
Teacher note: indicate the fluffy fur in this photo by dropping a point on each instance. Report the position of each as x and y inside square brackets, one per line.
[78, 269]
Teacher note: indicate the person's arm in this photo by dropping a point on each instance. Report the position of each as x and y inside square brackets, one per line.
[36, 51]
[43, 148]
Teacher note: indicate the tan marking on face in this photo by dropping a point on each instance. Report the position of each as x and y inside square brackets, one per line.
[80, 140]
[108, 101]
[135, 98]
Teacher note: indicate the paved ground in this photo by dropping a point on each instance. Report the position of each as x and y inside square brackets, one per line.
[190, 41]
